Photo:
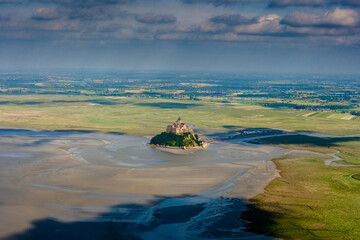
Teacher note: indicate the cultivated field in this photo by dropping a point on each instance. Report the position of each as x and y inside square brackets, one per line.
[311, 200]
[148, 116]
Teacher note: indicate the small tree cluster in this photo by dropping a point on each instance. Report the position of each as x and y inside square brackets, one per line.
[176, 140]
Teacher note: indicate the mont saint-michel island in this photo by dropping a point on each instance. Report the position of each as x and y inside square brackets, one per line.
[92, 146]
[178, 135]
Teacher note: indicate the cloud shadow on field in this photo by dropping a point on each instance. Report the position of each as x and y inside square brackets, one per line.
[309, 141]
[90, 101]
[169, 105]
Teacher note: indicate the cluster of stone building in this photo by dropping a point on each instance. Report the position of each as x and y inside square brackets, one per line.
[179, 127]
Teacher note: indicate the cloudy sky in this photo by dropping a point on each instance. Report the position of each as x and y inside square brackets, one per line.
[309, 36]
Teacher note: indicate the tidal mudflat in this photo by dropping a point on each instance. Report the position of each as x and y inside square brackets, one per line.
[98, 186]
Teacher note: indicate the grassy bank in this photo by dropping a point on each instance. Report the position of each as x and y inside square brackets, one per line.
[310, 200]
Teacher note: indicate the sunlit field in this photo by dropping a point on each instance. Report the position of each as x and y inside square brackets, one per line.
[147, 116]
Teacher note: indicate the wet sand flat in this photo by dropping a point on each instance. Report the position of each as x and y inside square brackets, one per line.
[67, 178]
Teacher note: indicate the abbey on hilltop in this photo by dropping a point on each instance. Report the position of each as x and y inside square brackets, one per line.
[179, 127]
[178, 135]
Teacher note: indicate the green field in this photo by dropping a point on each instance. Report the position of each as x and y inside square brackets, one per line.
[310, 200]
[148, 116]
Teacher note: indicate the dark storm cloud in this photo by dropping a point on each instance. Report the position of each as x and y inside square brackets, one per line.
[231, 19]
[68, 3]
[67, 20]
[280, 3]
[152, 18]
[298, 3]
[85, 10]
[351, 3]
[45, 14]
[84, 3]
[222, 2]
[335, 18]
[7, 1]
[93, 13]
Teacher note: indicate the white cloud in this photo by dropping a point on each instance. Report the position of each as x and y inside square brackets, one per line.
[265, 24]
[336, 17]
